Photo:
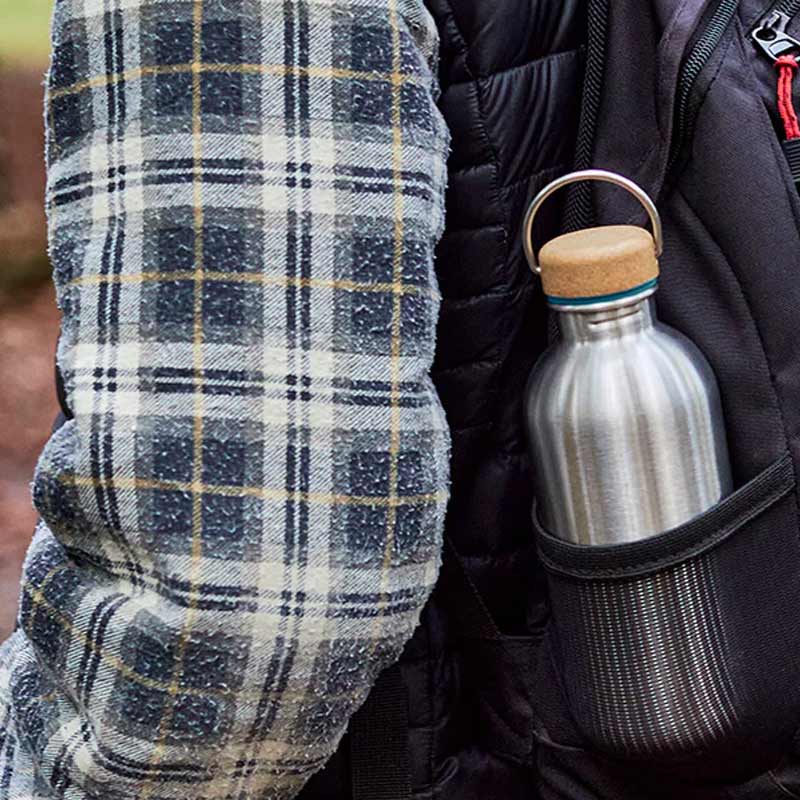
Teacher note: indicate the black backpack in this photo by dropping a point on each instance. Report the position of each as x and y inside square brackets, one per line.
[693, 108]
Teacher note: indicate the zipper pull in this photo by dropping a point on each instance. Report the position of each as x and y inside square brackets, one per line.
[783, 51]
[771, 36]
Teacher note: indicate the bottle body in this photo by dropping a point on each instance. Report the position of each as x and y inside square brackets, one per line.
[625, 426]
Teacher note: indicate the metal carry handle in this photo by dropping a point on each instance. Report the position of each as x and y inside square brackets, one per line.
[588, 175]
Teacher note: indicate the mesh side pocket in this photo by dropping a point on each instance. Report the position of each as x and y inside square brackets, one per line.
[685, 646]
[653, 662]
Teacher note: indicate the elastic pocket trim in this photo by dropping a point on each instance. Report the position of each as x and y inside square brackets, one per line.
[633, 559]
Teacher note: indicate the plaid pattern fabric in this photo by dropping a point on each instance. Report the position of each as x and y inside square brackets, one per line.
[242, 523]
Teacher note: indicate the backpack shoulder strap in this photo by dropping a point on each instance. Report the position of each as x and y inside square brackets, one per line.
[379, 748]
[468, 608]
[379, 757]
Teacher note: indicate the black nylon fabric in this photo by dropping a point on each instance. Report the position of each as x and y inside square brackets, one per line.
[379, 746]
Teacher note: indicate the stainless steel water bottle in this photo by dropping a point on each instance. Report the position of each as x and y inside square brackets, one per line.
[623, 412]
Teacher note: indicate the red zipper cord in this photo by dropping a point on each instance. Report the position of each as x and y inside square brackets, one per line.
[787, 67]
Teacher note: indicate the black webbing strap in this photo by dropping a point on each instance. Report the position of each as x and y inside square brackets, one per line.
[462, 596]
[791, 147]
[379, 730]
[501, 667]
[379, 756]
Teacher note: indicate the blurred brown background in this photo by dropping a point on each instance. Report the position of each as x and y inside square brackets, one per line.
[28, 315]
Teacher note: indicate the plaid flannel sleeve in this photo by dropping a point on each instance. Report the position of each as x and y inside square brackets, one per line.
[242, 522]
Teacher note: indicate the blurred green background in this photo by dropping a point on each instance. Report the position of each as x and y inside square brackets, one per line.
[24, 44]
[28, 314]
[23, 30]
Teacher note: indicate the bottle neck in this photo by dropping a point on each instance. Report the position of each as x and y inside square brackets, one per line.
[607, 320]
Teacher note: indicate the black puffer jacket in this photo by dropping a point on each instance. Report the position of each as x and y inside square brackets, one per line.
[511, 75]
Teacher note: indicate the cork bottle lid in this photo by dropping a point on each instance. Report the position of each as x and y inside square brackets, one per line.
[598, 263]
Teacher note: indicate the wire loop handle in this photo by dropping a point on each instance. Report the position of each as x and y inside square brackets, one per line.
[588, 175]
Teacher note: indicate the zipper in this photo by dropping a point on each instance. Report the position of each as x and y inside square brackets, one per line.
[579, 212]
[788, 8]
[771, 38]
[770, 34]
[579, 207]
[701, 53]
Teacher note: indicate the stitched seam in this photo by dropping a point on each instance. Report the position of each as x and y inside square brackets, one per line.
[701, 103]
[563, 54]
[517, 181]
[475, 426]
[495, 226]
[478, 362]
[775, 400]
[476, 80]
[468, 299]
[778, 785]
[706, 543]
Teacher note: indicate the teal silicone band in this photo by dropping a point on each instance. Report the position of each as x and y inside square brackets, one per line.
[606, 298]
